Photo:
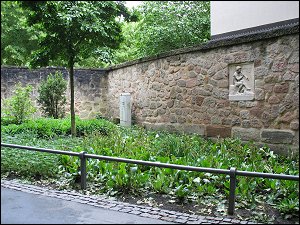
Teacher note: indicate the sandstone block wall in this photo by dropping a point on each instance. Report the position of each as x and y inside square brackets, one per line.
[90, 87]
[189, 92]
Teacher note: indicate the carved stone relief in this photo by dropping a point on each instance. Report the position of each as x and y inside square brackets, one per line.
[241, 82]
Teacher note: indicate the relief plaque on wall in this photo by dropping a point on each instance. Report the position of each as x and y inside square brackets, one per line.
[241, 82]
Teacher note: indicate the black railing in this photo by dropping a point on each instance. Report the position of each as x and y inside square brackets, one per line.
[232, 172]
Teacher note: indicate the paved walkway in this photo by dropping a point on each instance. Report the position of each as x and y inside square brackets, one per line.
[24, 203]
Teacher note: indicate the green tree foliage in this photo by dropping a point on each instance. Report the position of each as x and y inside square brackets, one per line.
[102, 59]
[75, 30]
[52, 95]
[168, 25]
[17, 39]
[128, 49]
[162, 26]
[20, 106]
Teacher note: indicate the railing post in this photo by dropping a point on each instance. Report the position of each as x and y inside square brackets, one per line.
[232, 190]
[82, 170]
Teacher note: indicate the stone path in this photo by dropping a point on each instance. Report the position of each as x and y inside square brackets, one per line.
[111, 205]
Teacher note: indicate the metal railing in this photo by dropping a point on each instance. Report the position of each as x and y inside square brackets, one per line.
[232, 172]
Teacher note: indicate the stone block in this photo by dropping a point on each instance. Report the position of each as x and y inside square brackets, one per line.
[274, 99]
[161, 111]
[287, 117]
[193, 129]
[223, 84]
[220, 75]
[192, 74]
[279, 64]
[289, 76]
[190, 67]
[246, 123]
[246, 134]
[235, 121]
[170, 103]
[181, 119]
[256, 111]
[176, 127]
[181, 83]
[245, 114]
[294, 125]
[295, 68]
[261, 72]
[259, 94]
[199, 100]
[218, 131]
[281, 88]
[216, 120]
[173, 119]
[255, 123]
[192, 83]
[277, 136]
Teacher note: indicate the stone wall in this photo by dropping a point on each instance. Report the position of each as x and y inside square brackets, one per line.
[187, 90]
[90, 87]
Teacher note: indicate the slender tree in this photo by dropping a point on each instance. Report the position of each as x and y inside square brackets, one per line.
[74, 30]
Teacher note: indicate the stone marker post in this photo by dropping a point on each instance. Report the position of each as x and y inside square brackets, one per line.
[125, 110]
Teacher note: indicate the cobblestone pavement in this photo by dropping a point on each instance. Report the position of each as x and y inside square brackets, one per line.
[102, 202]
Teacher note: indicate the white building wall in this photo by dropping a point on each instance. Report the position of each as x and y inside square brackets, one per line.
[228, 16]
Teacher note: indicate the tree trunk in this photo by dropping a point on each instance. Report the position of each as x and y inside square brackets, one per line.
[71, 71]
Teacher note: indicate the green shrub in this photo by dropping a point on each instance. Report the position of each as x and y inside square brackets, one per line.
[7, 120]
[49, 127]
[84, 127]
[19, 107]
[52, 95]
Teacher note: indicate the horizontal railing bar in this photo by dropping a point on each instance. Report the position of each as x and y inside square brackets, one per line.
[41, 149]
[158, 164]
[192, 168]
[267, 175]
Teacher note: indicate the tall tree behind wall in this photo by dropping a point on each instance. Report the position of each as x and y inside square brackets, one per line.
[17, 39]
[169, 25]
[74, 30]
[164, 26]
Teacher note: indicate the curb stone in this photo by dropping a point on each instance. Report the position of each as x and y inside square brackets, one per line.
[103, 202]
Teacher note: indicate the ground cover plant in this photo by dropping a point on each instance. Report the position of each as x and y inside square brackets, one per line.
[101, 137]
